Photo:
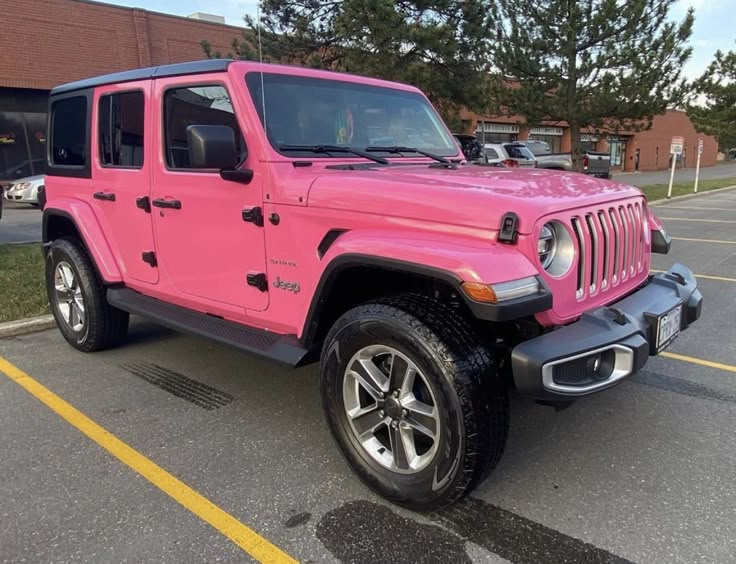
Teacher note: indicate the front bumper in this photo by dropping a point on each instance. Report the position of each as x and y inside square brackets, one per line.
[25, 196]
[621, 335]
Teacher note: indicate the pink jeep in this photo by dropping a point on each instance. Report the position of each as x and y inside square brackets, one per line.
[300, 214]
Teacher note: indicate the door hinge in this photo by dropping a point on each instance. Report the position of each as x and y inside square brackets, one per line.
[144, 203]
[253, 215]
[258, 280]
[150, 258]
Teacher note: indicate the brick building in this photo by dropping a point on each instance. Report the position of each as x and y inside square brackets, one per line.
[630, 151]
[50, 42]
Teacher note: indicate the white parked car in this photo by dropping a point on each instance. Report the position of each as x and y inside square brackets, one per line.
[509, 154]
[25, 190]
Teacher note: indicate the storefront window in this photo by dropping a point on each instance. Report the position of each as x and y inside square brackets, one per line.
[489, 132]
[617, 148]
[22, 144]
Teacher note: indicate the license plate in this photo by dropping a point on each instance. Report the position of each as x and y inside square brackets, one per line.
[668, 327]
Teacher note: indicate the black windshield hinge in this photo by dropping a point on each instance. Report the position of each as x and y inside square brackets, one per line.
[150, 258]
[509, 228]
[144, 203]
[253, 215]
[258, 279]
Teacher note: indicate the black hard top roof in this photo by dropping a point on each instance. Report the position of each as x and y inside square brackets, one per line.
[178, 69]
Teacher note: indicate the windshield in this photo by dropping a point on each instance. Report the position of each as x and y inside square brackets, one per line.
[312, 112]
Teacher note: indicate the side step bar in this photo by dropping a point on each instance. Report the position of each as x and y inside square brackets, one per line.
[284, 349]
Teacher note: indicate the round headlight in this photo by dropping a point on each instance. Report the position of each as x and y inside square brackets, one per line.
[546, 245]
[555, 248]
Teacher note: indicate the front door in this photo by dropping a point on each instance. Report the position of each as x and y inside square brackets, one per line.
[204, 245]
[122, 174]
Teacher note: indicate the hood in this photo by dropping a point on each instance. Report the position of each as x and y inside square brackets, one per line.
[473, 196]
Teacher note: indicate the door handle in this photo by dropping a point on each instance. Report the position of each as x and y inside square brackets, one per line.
[161, 203]
[109, 196]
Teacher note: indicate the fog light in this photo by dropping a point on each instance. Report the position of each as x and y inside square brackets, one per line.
[594, 367]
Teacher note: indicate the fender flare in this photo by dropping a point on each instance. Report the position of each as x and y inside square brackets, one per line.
[437, 256]
[93, 238]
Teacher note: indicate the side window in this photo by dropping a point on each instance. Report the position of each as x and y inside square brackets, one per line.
[491, 154]
[196, 105]
[121, 119]
[69, 132]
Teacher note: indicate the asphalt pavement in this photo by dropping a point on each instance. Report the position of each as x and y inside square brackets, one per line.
[721, 170]
[21, 223]
[640, 473]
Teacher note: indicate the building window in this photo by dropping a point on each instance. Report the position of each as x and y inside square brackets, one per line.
[121, 129]
[197, 105]
[69, 132]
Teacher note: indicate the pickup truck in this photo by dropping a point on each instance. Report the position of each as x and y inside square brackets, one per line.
[594, 164]
[302, 215]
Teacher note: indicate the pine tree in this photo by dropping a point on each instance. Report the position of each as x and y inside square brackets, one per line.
[716, 113]
[440, 46]
[590, 63]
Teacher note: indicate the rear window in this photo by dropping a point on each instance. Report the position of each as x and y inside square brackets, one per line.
[491, 154]
[69, 132]
[518, 152]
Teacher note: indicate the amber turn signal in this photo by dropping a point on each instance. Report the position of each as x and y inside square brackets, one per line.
[479, 292]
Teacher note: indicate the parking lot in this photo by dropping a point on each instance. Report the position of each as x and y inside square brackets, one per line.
[175, 449]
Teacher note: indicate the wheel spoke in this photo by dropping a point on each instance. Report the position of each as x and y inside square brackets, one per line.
[367, 420]
[369, 376]
[422, 417]
[399, 370]
[65, 311]
[398, 447]
[67, 276]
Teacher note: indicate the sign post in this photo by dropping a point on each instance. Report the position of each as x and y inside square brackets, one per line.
[675, 149]
[697, 165]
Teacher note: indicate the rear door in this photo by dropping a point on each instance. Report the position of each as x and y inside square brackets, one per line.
[121, 173]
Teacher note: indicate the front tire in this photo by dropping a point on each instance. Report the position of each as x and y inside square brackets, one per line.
[415, 403]
[77, 299]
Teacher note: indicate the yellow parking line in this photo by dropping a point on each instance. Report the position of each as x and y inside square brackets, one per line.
[698, 220]
[696, 208]
[705, 276]
[699, 361]
[703, 240]
[247, 539]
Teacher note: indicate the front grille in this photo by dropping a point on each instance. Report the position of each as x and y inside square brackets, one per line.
[611, 247]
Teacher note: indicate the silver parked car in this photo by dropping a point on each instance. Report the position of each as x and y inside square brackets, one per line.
[509, 154]
[25, 190]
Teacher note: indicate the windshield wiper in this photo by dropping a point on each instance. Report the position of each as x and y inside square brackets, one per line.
[327, 149]
[400, 149]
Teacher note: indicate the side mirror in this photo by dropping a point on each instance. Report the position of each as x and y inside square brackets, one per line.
[212, 146]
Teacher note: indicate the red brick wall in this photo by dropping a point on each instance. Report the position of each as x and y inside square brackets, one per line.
[664, 127]
[49, 42]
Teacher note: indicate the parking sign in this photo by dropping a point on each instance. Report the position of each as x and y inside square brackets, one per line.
[700, 146]
[676, 146]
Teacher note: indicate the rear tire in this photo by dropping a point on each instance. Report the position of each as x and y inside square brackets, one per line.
[77, 299]
[425, 444]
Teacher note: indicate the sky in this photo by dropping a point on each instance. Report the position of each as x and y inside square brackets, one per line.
[713, 30]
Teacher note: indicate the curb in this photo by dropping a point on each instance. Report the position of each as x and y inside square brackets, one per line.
[24, 326]
[690, 196]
